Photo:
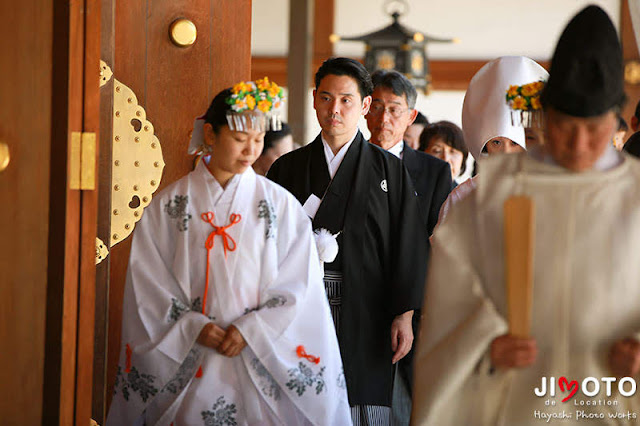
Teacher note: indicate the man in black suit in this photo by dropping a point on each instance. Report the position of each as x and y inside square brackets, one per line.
[392, 111]
[361, 192]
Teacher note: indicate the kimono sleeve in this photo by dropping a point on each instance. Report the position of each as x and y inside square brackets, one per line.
[409, 246]
[159, 313]
[286, 294]
[459, 322]
[160, 325]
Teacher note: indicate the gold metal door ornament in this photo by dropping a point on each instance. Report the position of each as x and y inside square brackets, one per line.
[101, 251]
[632, 72]
[137, 163]
[105, 73]
[4, 156]
[183, 32]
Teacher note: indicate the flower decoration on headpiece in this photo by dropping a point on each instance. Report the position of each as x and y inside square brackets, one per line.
[263, 94]
[253, 104]
[524, 102]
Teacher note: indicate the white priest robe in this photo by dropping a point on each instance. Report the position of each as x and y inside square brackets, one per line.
[586, 296]
[264, 278]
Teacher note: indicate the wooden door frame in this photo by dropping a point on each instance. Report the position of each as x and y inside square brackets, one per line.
[71, 241]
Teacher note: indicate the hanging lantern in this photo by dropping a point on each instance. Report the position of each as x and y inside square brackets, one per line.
[398, 47]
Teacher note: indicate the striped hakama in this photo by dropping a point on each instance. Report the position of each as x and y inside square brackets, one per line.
[362, 415]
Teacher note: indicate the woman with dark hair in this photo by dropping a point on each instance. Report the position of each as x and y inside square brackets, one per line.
[225, 319]
[445, 140]
[276, 144]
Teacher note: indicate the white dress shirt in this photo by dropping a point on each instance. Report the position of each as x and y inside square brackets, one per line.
[397, 149]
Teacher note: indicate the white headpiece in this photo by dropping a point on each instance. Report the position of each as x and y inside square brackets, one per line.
[485, 114]
[252, 105]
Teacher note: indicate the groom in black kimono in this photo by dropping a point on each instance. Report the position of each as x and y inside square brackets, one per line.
[350, 186]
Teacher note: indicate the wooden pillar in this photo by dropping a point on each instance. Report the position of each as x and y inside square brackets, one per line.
[631, 60]
[299, 65]
[322, 28]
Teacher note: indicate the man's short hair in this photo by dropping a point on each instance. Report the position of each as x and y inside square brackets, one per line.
[350, 68]
[637, 113]
[397, 83]
[421, 119]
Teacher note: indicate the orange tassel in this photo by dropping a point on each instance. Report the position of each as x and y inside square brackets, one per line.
[303, 354]
[127, 367]
[199, 373]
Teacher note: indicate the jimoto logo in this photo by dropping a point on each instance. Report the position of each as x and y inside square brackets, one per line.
[589, 387]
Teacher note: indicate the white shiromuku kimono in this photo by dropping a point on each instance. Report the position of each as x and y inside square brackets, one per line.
[586, 296]
[264, 278]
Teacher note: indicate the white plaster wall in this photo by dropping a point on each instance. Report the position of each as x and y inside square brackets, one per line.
[270, 27]
[487, 28]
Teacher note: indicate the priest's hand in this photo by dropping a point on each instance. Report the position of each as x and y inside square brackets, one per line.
[401, 336]
[233, 342]
[624, 358]
[211, 336]
[508, 351]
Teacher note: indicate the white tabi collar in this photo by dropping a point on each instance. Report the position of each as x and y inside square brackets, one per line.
[334, 161]
[397, 149]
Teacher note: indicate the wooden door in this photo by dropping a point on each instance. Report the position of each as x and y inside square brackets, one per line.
[174, 85]
[49, 83]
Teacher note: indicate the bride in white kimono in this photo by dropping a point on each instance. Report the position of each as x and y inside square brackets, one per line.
[225, 320]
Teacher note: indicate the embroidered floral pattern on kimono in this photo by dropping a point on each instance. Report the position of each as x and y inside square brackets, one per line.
[303, 377]
[177, 209]
[274, 302]
[222, 414]
[266, 211]
[139, 383]
[178, 308]
[342, 381]
[268, 384]
[184, 374]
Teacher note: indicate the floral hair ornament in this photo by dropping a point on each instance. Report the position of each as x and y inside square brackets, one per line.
[524, 101]
[253, 105]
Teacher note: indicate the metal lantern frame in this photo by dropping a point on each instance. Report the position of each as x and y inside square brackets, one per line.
[400, 48]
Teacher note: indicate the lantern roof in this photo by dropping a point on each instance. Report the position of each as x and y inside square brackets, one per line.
[396, 33]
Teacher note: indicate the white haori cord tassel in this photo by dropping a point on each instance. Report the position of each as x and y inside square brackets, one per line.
[326, 244]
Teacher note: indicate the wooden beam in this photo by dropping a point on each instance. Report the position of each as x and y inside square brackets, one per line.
[447, 75]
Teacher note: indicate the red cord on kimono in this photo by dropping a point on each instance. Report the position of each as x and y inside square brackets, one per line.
[228, 243]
